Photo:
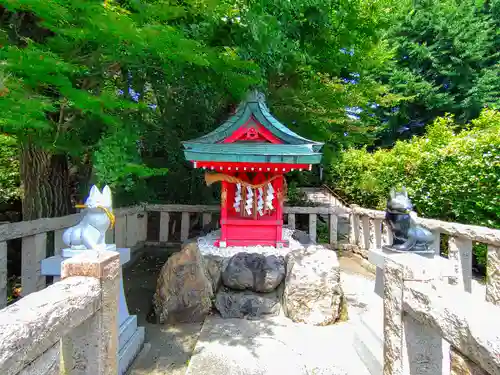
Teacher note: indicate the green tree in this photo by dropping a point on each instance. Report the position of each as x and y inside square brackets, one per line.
[66, 65]
[446, 62]
[450, 175]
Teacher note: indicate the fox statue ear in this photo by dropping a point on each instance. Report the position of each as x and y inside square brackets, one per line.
[94, 192]
[403, 190]
[392, 193]
[106, 194]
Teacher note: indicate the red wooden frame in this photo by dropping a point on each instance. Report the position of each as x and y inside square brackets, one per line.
[252, 124]
[250, 167]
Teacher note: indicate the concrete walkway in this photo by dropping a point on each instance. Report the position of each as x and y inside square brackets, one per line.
[274, 346]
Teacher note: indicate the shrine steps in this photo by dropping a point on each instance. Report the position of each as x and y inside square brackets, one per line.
[131, 339]
[368, 340]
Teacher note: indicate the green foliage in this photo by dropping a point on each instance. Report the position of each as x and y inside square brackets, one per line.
[9, 169]
[85, 78]
[450, 175]
[446, 61]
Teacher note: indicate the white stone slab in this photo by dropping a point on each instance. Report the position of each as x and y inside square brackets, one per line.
[426, 266]
[129, 351]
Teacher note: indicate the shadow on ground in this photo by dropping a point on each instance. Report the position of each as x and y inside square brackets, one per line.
[170, 347]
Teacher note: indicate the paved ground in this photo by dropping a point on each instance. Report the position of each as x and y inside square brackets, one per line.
[270, 346]
[274, 346]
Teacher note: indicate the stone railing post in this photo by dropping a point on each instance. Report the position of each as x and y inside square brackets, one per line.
[312, 227]
[493, 275]
[121, 231]
[334, 223]
[34, 249]
[460, 253]
[3, 274]
[92, 348]
[354, 230]
[366, 233]
[410, 347]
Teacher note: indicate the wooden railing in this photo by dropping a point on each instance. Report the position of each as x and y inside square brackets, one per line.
[431, 327]
[70, 327]
[131, 231]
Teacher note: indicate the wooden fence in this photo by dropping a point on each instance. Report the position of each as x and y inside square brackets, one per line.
[131, 230]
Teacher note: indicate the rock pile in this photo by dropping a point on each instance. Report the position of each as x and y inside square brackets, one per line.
[250, 286]
[305, 282]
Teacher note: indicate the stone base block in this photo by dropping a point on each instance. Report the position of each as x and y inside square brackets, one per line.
[131, 341]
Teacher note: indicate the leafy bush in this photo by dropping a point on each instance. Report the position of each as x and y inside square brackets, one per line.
[449, 175]
[9, 169]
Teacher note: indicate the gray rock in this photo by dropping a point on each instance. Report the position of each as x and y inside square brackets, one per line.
[313, 292]
[183, 290]
[302, 237]
[247, 304]
[213, 269]
[255, 272]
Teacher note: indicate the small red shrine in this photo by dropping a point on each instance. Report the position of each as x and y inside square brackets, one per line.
[249, 154]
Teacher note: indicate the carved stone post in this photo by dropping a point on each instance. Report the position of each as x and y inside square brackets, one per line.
[409, 346]
[493, 275]
[92, 348]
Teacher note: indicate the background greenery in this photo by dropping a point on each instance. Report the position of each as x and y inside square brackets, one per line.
[401, 92]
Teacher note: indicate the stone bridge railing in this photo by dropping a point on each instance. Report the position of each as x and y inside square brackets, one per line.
[412, 308]
[43, 237]
[433, 324]
[70, 327]
[368, 231]
[434, 328]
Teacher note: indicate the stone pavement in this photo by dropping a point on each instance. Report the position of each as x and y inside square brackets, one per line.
[274, 346]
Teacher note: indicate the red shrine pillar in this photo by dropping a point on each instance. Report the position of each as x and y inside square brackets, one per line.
[279, 211]
[223, 214]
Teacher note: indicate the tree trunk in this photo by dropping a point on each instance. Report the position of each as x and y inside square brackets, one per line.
[45, 180]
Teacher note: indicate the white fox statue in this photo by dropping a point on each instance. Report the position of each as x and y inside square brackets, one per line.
[91, 231]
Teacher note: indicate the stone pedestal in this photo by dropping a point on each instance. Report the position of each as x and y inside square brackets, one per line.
[369, 326]
[425, 264]
[131, 336]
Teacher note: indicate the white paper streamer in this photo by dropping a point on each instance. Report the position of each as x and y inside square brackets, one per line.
[237, 198]
[249, 201]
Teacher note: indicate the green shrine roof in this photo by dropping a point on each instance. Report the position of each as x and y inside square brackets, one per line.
[253, 113]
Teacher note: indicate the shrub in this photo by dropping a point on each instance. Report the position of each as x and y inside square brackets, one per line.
[453, 176]
[9, 170]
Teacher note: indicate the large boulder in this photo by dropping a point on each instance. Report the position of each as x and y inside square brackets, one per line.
[255, 272]
[246, 304]
[183, 290]
[313, 292]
